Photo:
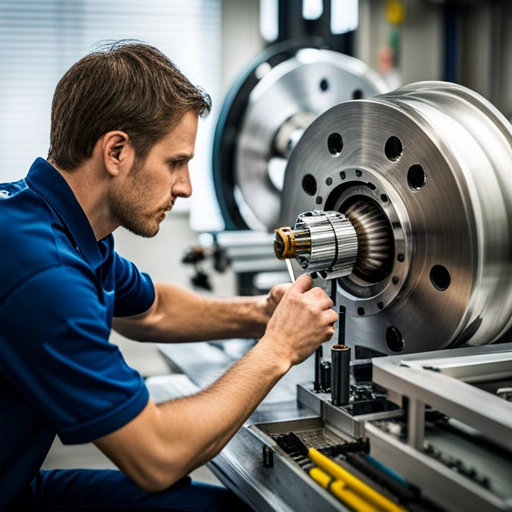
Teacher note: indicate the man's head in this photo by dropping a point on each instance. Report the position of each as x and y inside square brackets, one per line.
[130, 87]
[142, 191]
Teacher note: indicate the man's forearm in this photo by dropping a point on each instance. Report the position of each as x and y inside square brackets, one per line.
[220, 410]
[179, 315]
[184, 434]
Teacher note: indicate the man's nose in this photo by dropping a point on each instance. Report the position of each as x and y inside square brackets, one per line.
[183, 186]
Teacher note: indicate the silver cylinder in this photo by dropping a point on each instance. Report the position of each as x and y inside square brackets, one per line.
[333, 244]
[340, 374]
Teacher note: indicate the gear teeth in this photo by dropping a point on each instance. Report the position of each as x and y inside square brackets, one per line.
[374, 239]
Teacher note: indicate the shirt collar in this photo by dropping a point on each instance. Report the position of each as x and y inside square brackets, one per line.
[48, 182]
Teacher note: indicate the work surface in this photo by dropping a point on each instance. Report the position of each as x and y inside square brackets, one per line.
[204, 362]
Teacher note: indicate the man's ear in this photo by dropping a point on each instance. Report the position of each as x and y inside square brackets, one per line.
[118, 152]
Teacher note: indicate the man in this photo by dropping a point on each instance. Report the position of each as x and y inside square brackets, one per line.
[124, 124]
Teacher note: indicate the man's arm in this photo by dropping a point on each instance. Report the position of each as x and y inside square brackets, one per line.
[164, 443]
[181, 315]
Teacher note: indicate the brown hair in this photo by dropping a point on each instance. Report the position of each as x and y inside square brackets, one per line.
[127, 86]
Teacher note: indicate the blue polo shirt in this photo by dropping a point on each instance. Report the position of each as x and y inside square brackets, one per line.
[59, 289]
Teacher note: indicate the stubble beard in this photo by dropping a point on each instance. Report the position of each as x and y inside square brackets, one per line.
[129, 207]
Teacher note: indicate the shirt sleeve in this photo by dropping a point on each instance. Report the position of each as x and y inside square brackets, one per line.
[61, 361]
[134, 290]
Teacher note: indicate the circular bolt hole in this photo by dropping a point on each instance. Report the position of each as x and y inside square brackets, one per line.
[394, 339]
[328, 181]
[324, 84]
[319, 200]
[384, 198]
[335, 144]
[393, 148]
[380, 305]
[359, 173]
[309, 185]
[313, 275]
[360, 311]
[357, 94]
[440, 278]
[395, 280]
[416, 177]
[400, 257]
[343, 175]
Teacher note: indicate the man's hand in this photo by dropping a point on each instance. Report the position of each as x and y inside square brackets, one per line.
[268, 303]
[302, 321]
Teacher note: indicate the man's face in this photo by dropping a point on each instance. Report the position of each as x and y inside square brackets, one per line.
[150, 189]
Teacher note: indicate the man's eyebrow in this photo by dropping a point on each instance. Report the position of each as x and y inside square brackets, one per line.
[181, 156]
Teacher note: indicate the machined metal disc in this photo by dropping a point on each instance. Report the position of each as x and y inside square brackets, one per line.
[288, 93]
[436, 160]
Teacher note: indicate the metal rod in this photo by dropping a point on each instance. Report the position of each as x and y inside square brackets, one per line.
[341, 325]
[290, 269]
[319, 357]
[340, 374]
[416, 424]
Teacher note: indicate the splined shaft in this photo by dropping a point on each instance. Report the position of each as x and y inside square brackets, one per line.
[322, 242]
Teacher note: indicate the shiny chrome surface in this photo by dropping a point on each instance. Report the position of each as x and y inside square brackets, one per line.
[281, 106]
[324, 243]
[436, 160]
[375, 239]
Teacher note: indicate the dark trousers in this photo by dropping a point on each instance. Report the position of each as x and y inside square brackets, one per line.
[85, 490]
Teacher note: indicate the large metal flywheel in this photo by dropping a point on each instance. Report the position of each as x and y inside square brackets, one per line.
[424, 176]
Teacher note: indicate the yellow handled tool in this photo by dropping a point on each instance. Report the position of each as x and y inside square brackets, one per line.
[341, 481]
[341, 491]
